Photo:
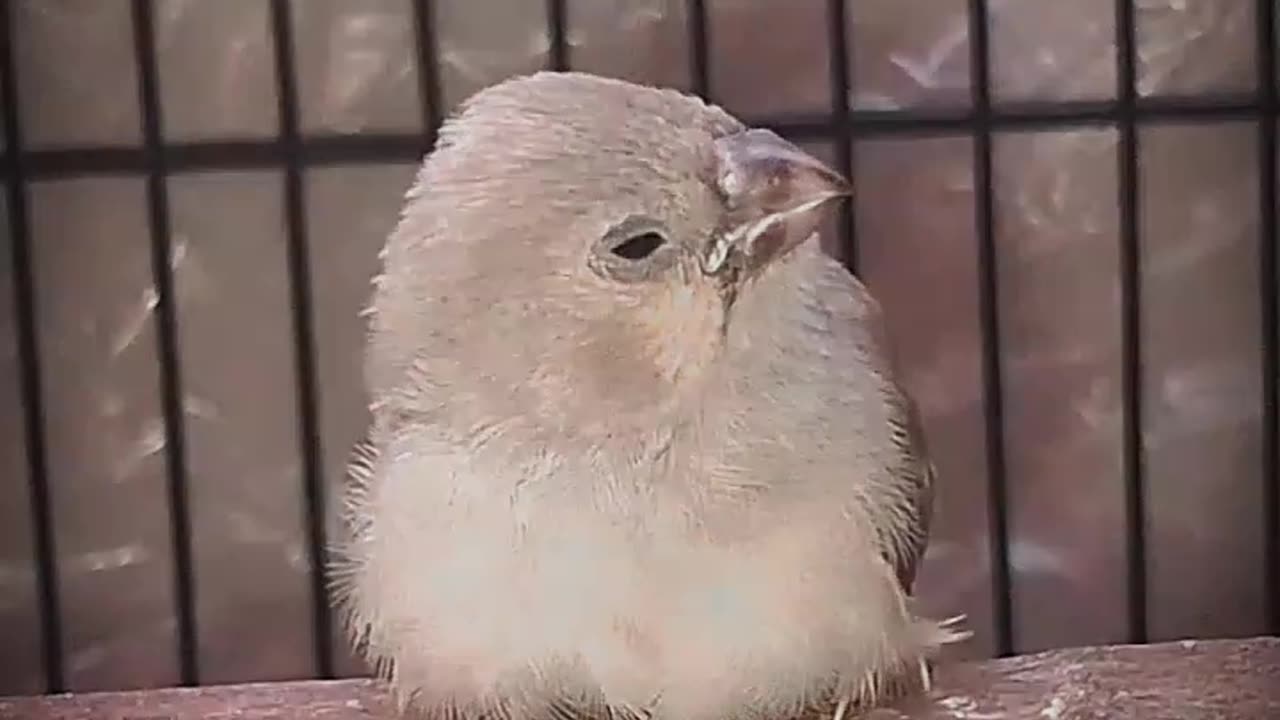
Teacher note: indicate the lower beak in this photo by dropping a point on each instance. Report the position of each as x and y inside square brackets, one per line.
[776, 194]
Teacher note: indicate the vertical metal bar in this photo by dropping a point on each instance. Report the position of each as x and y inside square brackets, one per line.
[1267, 284]
[304, 334]
[699, 57]
[29, 363]
[167, 338]
[557, 24]
[428, 71]
[1131, 319]
[989, 314]
[837, 27]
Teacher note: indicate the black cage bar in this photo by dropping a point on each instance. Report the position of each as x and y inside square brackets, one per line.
[843, 126]
[167, 335]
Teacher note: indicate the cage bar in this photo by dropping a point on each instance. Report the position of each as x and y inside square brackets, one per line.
[1131, 319]
[1267, 282]
[699, 49]
[304, 335]
[428, 71]
[557, 29]
[837, 26]
[167, 340]
[17, 177]
[329, 149]
[989, 318]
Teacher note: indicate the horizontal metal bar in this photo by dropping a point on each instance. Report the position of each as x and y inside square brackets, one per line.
[321, 150]
[1039, 116]
[227, 155]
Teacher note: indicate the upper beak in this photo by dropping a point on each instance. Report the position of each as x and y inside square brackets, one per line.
[774, 192]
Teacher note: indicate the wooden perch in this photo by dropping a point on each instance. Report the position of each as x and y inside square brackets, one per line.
[1190, 680]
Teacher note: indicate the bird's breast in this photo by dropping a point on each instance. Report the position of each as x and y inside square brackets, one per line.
[638, 594]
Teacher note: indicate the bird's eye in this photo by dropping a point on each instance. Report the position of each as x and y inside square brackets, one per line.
[638, 247]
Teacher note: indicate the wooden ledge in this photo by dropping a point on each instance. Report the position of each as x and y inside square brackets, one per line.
[1190, 680]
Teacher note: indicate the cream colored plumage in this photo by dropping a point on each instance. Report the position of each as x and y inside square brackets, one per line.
[637, 448]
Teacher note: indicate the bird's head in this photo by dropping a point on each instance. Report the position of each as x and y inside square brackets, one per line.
[578, 247]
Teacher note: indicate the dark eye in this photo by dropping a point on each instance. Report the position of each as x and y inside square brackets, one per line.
[638, 247]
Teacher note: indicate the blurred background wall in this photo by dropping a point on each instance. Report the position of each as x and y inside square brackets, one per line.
[197, 189]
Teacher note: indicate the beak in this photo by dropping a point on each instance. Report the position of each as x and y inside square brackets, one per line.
[774, 192]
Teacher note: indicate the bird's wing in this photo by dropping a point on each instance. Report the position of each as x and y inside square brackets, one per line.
[917, 475]
[904, 510]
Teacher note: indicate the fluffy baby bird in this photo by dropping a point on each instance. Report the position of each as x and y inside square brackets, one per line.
[637, 450]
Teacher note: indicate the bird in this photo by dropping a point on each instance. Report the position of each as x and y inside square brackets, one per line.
[638, 449]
